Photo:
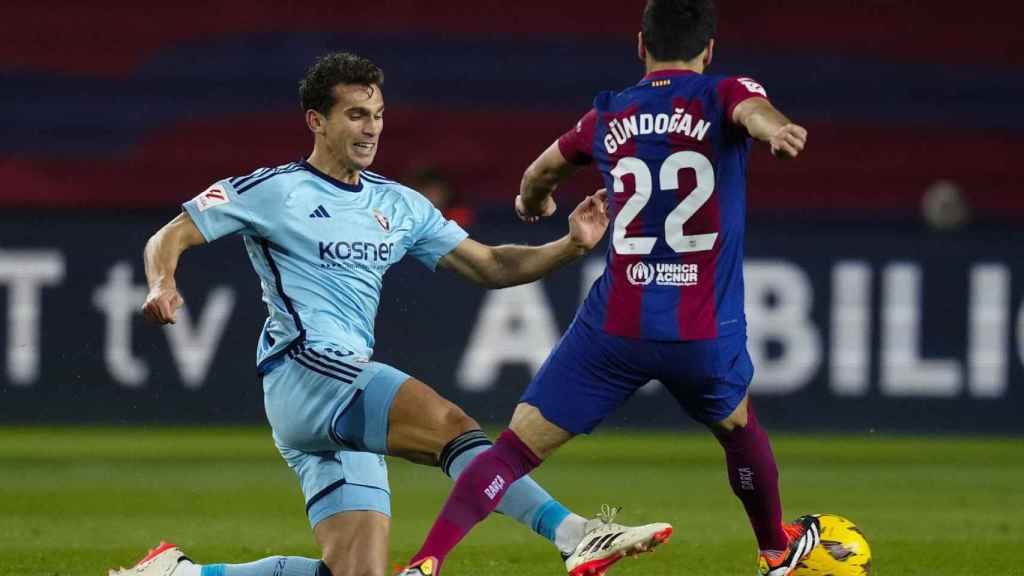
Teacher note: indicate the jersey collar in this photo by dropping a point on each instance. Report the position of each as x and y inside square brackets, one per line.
[667, 73]
[338, 183]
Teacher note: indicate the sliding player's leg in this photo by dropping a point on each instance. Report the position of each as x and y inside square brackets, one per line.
[354, 543]
[346, 492]
[477, 492]
[710, 379]
[349, 508]
[572, 393]
[426, 428]
[323, 400]
[168, 560]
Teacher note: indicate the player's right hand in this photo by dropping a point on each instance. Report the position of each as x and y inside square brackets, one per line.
[788, 141]
[531, 214]
[162, 305]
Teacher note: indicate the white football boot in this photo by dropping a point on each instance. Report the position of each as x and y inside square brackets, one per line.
[160, 561]
[604, 543]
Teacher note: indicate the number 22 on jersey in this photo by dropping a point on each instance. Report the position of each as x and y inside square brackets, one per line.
[668, 179]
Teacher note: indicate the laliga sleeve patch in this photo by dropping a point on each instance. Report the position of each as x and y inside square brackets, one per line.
[753, 86]
[212, 196]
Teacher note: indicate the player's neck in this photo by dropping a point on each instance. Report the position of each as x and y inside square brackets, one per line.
[333, 168]
[695, 65]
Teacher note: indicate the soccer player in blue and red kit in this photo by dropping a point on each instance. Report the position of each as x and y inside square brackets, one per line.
[672, 150]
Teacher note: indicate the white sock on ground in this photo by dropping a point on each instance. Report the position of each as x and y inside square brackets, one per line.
[569, 533]
[187, 568]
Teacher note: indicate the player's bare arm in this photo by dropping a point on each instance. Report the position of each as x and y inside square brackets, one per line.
[539, 182]
[510, 265]
[765, 123]
[161, 258]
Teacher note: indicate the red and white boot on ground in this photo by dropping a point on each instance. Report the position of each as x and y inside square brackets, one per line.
[160, 561]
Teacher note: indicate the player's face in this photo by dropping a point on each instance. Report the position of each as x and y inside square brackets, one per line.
[354, 124]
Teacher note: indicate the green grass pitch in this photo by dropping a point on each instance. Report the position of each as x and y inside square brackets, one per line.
[81, 500]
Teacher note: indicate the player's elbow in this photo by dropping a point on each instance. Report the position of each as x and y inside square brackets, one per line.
[539, 175]
[156, 242]
[530, 178]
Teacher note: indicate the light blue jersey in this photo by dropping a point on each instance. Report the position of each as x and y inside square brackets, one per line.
[321, 248]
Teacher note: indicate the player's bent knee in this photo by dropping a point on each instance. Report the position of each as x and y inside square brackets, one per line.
[540, 435]
[738, 419]
[454, 421]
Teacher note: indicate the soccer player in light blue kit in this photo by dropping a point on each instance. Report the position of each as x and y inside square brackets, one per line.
[321, 233]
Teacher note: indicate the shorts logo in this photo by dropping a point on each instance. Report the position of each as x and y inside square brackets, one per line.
[382, 220]
[212, 196]
[640, 273]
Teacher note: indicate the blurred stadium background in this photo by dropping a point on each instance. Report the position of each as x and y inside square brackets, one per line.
[885, 284]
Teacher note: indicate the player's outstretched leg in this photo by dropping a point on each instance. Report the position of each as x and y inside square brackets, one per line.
[476, 494]
[754, 477]
[168, 560]
[485, 482]
[424, 427]
[526, 501]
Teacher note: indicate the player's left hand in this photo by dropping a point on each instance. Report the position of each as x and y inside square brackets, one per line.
[588, 222]
[162, 304]
[532, 214]
[788, 141]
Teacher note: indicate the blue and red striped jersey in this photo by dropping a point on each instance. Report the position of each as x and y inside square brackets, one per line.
[674, 165]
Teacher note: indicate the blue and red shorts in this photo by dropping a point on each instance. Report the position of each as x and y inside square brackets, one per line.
[591, 373]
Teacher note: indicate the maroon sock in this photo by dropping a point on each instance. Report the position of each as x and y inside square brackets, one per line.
[477, 492]
[755, 480]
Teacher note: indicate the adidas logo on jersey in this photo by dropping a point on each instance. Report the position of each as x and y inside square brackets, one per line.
[320, 212]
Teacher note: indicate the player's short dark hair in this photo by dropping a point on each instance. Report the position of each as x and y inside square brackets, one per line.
[677, 29]
[316, 90]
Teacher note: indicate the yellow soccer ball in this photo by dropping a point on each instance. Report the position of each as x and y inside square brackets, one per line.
[843, 551]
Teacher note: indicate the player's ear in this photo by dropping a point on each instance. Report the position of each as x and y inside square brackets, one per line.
[641, 52]
[709, 52]
[315, 121]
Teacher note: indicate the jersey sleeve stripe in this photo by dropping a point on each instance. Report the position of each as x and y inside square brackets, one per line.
[377, 178]
[275, 172]
[239, 180]
[375, 175]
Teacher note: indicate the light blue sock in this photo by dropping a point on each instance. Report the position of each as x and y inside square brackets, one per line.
[524, 500]
[273, 566]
